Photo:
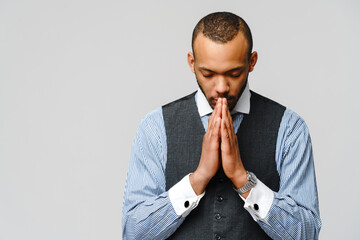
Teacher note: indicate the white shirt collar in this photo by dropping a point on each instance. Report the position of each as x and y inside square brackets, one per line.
[242, 105]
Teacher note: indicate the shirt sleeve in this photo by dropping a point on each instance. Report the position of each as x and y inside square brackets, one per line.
[259, 201]
[149, 211]
[293, 211]
[183, 198]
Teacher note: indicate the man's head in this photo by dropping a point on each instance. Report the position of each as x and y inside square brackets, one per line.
[222, 57]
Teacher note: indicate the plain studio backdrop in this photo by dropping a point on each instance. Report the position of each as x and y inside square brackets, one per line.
[77, 77]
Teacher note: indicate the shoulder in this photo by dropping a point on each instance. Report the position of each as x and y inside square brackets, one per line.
[180, 101]
[153, 116]
[293, 132]
[292, 122]
[293, 141]
[265, 102]
[151, 127]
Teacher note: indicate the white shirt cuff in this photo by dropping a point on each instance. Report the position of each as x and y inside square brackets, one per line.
[259, 201]
[183, 198]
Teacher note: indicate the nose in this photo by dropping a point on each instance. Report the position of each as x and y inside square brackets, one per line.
[222, 86]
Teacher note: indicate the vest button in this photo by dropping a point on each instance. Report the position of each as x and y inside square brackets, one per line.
[217, 237]
[220, 198]
[217, 216]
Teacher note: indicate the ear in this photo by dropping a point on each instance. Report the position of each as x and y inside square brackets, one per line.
[191, 61]
[253, 60]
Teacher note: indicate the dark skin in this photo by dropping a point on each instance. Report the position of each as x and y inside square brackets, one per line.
[219, 137]
[221, 71]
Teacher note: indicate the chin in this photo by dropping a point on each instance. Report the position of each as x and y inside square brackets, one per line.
[230, 104]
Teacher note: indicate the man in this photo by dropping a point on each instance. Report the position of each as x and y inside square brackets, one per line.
[223, 162]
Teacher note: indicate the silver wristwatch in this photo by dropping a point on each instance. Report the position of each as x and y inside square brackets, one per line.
[249, 185]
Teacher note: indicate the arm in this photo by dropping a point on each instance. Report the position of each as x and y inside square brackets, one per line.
[149, 211]
[293, 212]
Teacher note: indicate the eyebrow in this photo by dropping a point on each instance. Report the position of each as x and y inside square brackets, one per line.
[239, 68]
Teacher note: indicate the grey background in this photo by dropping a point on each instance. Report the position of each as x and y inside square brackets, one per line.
[76, 78]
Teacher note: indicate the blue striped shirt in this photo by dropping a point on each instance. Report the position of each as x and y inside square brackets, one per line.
[148, 212]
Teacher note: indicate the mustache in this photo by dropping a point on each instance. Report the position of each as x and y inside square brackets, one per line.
[228, 98]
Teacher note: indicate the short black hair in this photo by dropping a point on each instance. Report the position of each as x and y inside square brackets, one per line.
[222, 27]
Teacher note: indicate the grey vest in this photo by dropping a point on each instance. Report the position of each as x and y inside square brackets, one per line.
[220, 213]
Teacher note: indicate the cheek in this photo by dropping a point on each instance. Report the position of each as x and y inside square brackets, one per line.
[207, 85]
[237, 86]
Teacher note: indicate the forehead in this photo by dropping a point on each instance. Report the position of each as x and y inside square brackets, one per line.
[213, 54]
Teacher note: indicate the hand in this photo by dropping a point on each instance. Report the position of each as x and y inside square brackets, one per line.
[230, 154]
[210, 159]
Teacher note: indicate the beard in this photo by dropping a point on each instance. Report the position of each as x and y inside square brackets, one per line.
[231, 100]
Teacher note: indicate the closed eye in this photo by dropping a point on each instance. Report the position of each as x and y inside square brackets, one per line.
[235, 75]
[208, 75]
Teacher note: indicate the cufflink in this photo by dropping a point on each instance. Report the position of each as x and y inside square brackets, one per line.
[186, 204]
[256, 207]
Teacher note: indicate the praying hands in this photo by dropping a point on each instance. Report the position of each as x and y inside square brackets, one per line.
[220, 146]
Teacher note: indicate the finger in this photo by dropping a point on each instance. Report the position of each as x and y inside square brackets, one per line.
[216, 130]
[218, 108]
[225, 138]
[226, 117]
[218, 119]
[210, 121]
[223, 109]
[228, 114]
[215, 114]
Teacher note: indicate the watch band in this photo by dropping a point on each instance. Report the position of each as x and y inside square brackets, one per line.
[252, 180]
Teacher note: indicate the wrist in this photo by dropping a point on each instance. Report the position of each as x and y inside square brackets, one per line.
[198, 182]
[240, 179]
[245, 189]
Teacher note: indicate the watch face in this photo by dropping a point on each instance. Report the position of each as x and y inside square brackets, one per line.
[252, 177]
[250, 184]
